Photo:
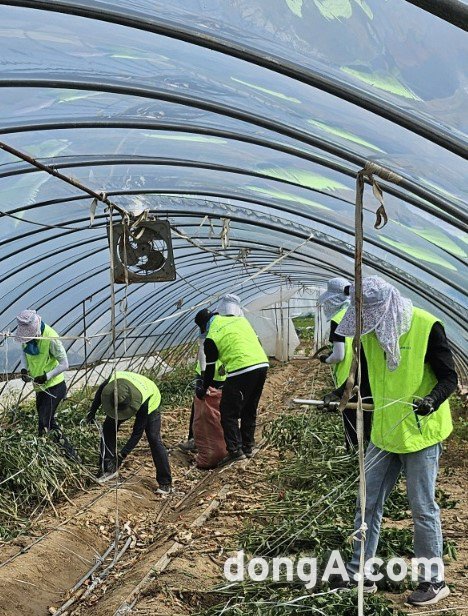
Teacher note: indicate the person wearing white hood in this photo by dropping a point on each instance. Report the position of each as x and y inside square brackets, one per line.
[335, 302]
[408, 368]
[43, 362]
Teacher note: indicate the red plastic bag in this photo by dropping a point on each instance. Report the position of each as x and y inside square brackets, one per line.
[207, 430]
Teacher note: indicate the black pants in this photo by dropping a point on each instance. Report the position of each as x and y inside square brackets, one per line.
[47, 401]
[349, 422]
[153, 434]
[241, 395]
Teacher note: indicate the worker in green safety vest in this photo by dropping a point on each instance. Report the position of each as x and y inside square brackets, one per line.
[228, 305]
[408, 369]
[136, 397]
[43, 362]
[335, 302]
[233, 341]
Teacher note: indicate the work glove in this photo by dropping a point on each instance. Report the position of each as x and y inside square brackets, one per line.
[25, 376]
[323, 358]
[425, 406]
[40, 380]
[200, 392]
[331, 397]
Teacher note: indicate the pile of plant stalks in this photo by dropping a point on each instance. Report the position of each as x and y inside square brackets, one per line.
[34, 471]
[310, 513]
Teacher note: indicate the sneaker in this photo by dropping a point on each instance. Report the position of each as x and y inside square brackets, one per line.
[248, 451]
[428, 593]
[164, 489]
[187, 446]
[233, 456]
[105, 477]
[337, 583]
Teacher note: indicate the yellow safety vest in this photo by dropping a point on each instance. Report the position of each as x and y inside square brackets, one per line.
[44, 362]
[237, 343]
[395, 426]
[342, 368]
[148, 390]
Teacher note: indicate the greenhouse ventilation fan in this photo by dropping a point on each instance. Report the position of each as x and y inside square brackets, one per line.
[143, 252]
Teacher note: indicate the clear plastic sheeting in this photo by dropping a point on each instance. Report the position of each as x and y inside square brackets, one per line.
[243, 124]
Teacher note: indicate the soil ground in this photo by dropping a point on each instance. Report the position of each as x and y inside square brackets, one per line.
[38, 581]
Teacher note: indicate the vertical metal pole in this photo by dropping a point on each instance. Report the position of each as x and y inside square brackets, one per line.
[85, 331]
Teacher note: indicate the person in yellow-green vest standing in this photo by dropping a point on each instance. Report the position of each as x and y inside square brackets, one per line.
[233, 341]
[43, 362]
[138, 397]
[408, 368]
[335, 302]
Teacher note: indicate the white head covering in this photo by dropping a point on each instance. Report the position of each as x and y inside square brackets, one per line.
[230, 305]
[385, 312]
[334, 298]
[29, 326]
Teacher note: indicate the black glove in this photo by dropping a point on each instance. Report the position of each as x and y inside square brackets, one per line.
[40, 380]
[331, 397]
[90, 418]
[120, 458]
[200, 392]
[24, 375]
[323, 358]
[425, 406]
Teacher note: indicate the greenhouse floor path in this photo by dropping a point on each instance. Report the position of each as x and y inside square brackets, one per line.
[176, 546]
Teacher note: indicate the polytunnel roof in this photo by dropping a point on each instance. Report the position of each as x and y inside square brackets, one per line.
[243, 122]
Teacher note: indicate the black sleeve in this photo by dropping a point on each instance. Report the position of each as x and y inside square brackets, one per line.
[96, 403]
[440, 358]
[334, 337]
[211, 354]
[138, 428]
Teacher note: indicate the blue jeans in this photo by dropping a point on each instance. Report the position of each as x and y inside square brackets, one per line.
[382, 471]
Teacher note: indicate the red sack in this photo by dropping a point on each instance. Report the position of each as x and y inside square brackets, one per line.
[207, 430]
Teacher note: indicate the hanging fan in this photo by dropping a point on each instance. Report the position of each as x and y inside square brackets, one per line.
[143, 252]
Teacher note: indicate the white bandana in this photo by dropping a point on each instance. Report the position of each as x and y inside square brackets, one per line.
[230, 305]
[385, 312]
[334, 299]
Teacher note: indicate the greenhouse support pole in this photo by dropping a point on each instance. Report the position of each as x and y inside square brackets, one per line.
[83, 304]
[359, 230]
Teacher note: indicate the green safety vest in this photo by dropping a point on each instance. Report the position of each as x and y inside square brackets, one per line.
[217, 376]
[44, 362]
[396, 427]
[342, 368]
[237, 343]
[148, 390]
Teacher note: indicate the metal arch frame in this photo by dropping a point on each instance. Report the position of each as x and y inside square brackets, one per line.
[177, 291]
[321, 144]
[217, 167]
[275, 283]
[201, 194]
[170, 301]
[341, 251]
[451, 11]
[81, 257]
[249, 54]
[371, 259]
